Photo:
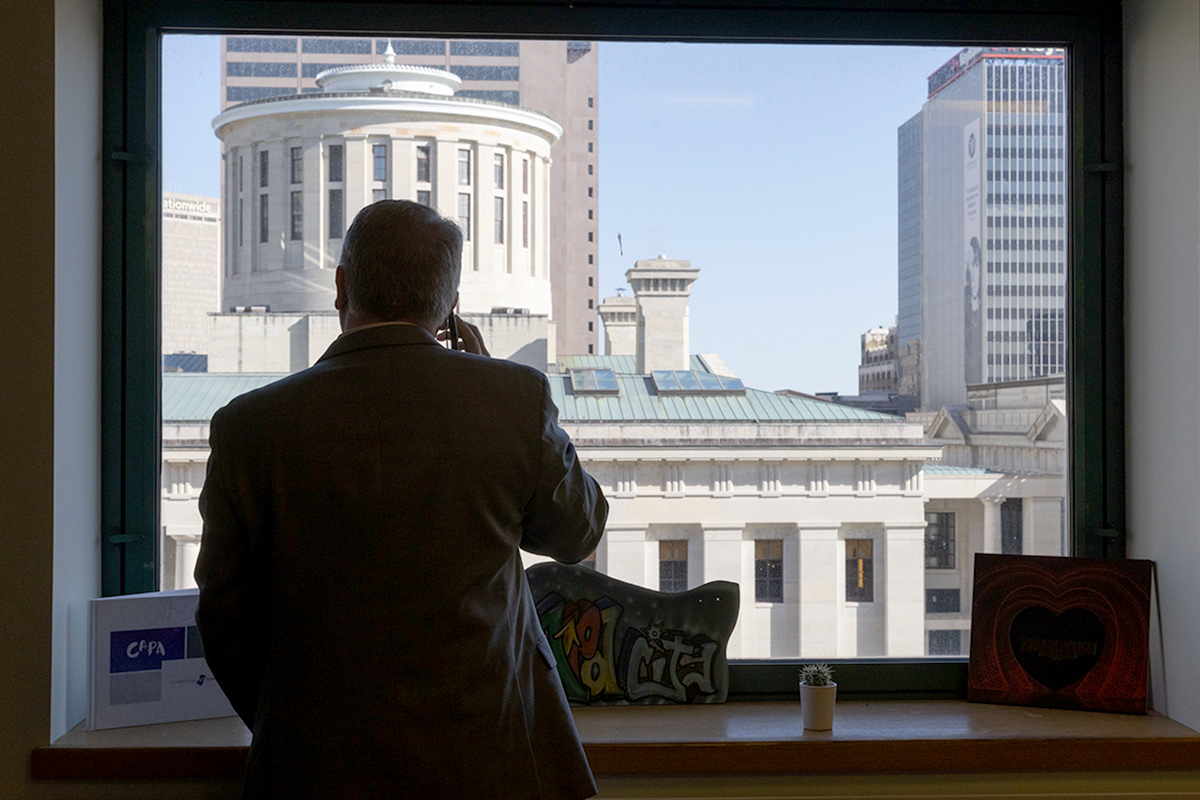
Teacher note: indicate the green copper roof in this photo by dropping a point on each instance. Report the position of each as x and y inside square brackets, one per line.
[621, 364]
[947, 469]
[196, 396]
[639, 402]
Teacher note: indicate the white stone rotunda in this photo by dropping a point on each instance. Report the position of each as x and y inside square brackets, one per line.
[297, 168]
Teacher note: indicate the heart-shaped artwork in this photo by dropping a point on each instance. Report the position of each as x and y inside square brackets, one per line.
[1057, 650]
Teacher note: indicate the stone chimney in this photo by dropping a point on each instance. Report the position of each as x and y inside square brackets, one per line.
[619, 315]
[661, 287]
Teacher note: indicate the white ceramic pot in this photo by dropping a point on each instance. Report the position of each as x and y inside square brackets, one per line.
[816, 706]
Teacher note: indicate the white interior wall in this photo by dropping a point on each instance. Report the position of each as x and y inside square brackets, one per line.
[1162, 220]
[78, 28]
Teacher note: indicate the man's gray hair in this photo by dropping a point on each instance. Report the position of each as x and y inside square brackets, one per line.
[402, 260]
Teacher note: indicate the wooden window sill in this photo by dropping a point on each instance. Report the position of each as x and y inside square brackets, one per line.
[915, 737]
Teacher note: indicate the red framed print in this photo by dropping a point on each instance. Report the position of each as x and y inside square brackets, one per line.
[1060, 632]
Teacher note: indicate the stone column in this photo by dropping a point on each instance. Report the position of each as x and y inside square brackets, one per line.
[624, 553]
[904, 589]
[820, 602]
[991, 524]
[721, 560]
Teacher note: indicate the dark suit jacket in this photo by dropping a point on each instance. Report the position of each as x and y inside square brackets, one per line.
[362, 600]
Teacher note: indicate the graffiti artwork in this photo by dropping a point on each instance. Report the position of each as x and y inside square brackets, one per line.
[616, 643]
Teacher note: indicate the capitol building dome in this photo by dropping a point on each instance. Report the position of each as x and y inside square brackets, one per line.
[297, 168]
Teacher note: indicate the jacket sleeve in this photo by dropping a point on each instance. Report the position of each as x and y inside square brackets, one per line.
[564, 519]
[232, 614]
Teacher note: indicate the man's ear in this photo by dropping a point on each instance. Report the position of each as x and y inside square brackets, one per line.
[340, 301]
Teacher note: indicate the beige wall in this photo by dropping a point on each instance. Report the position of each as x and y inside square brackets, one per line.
[1162, 60]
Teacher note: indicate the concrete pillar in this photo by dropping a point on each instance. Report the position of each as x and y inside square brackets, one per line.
[991, 524]
[904, 589]
[721, 560]
[625, 553]
[1043, 526]
[820, 600]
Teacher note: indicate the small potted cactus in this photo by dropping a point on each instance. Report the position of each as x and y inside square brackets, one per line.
[817, 695]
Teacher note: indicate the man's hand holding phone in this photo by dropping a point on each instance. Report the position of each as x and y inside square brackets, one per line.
[462, 335]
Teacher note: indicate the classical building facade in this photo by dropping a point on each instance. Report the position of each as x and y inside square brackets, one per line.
[558, 78]
[299, 167]
[850, 532]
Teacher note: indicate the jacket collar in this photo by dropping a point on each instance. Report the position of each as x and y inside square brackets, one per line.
[378, 336]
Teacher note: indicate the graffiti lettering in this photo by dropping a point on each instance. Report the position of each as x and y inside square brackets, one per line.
[663, 664]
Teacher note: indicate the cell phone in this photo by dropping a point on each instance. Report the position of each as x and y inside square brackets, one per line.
[452, 330]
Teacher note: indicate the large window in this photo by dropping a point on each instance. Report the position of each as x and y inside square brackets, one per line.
[1040, 293]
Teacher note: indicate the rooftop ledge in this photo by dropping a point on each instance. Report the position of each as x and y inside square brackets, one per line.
[925, 736]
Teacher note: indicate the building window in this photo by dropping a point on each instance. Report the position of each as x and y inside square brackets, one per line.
[524, 176]
[337, 214]
[297, 215]
[939, 540]
[464, 167]
[590, 261]
[264, 171]
[591, 236]
[424, 197]
[590, 99]
[498, 170]
[590, 147]
[379, 157]
[378, 194]
[336, 163]
[589, 169]
[498, 219]
[263, 219]
[945, 643]
[860, 573]
[768, 570]
[590, 328]
[590, 215]
[590, 125]
[297, 165]
[672, 565]
[464, 216]
[423, 171]
[590, 280]
[590, 303]
[943, 601]
[591, 349]
[525, 223]
[1011, 534]
[590, 192]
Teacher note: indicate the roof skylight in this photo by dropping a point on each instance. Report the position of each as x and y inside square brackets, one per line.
[686, 381]
[594, 381]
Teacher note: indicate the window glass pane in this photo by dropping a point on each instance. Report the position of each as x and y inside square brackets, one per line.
[905, 363]
[687, 381]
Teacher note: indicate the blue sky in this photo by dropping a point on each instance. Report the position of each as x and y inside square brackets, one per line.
[771, 167]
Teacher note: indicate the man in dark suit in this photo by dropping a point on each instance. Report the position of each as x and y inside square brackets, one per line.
[362, 598]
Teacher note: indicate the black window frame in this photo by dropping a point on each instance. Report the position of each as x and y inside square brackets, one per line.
[951, 549]
[131, 373]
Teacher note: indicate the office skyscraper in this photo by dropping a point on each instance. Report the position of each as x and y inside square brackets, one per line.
[908, 235]
[191, 270]
[992, 236]
[557, 78]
